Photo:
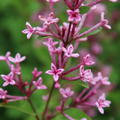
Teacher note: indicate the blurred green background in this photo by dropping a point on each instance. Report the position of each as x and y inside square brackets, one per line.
[13, 15]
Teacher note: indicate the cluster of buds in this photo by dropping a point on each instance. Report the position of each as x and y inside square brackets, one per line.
[63, 44]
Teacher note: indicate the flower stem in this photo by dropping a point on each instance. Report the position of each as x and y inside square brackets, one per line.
[48, 101]
[33, 108]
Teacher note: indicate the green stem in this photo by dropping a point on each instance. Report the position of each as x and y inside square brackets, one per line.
[33, 108]
[48, 101]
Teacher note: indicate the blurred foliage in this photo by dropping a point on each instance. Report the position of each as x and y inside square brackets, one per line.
[13, 15]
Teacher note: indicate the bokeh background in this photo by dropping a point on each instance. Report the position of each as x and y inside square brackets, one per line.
[13, 15]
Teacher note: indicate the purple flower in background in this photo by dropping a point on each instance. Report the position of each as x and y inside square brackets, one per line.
[104, 80]
[9, 79]
[55, 72]
[102, 103]
[66, 93]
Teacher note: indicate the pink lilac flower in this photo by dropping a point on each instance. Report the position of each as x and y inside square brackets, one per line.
[36, 73]
[66, 93]
[74, 16]
[5, 57]
[105, 21]
[88, 60]
[50, 44]
[69, 51]
[29, 31]
[53, 1]
[3, 93]
[99, 8]
[104, 80]
[9, 80]
[102, 103]
[87, 75]
[38, 84]
[17, 58]
[55, 72]
[50, 19]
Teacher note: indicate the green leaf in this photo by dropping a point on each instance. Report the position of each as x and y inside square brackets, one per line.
[74, 113]
[79, 83]
[84, 9]
[18, 107]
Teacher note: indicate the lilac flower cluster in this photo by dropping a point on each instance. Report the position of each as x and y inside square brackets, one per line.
[62, 42]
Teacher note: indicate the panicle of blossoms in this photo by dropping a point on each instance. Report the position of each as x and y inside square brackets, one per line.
[63, 43]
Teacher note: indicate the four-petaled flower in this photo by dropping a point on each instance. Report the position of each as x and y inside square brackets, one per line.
[102, 103]
[3, 93]
[17, 58]
[87, 75]
[50, 44]
[38, 84]
[29, 31]
[104, 21]
[88, 60]
[5, 57]
[74, 16]
[66, 93]
[9, 79]
[104, 80]
[48, 20]
[69, 51]
[36, 73]
[55, 72]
